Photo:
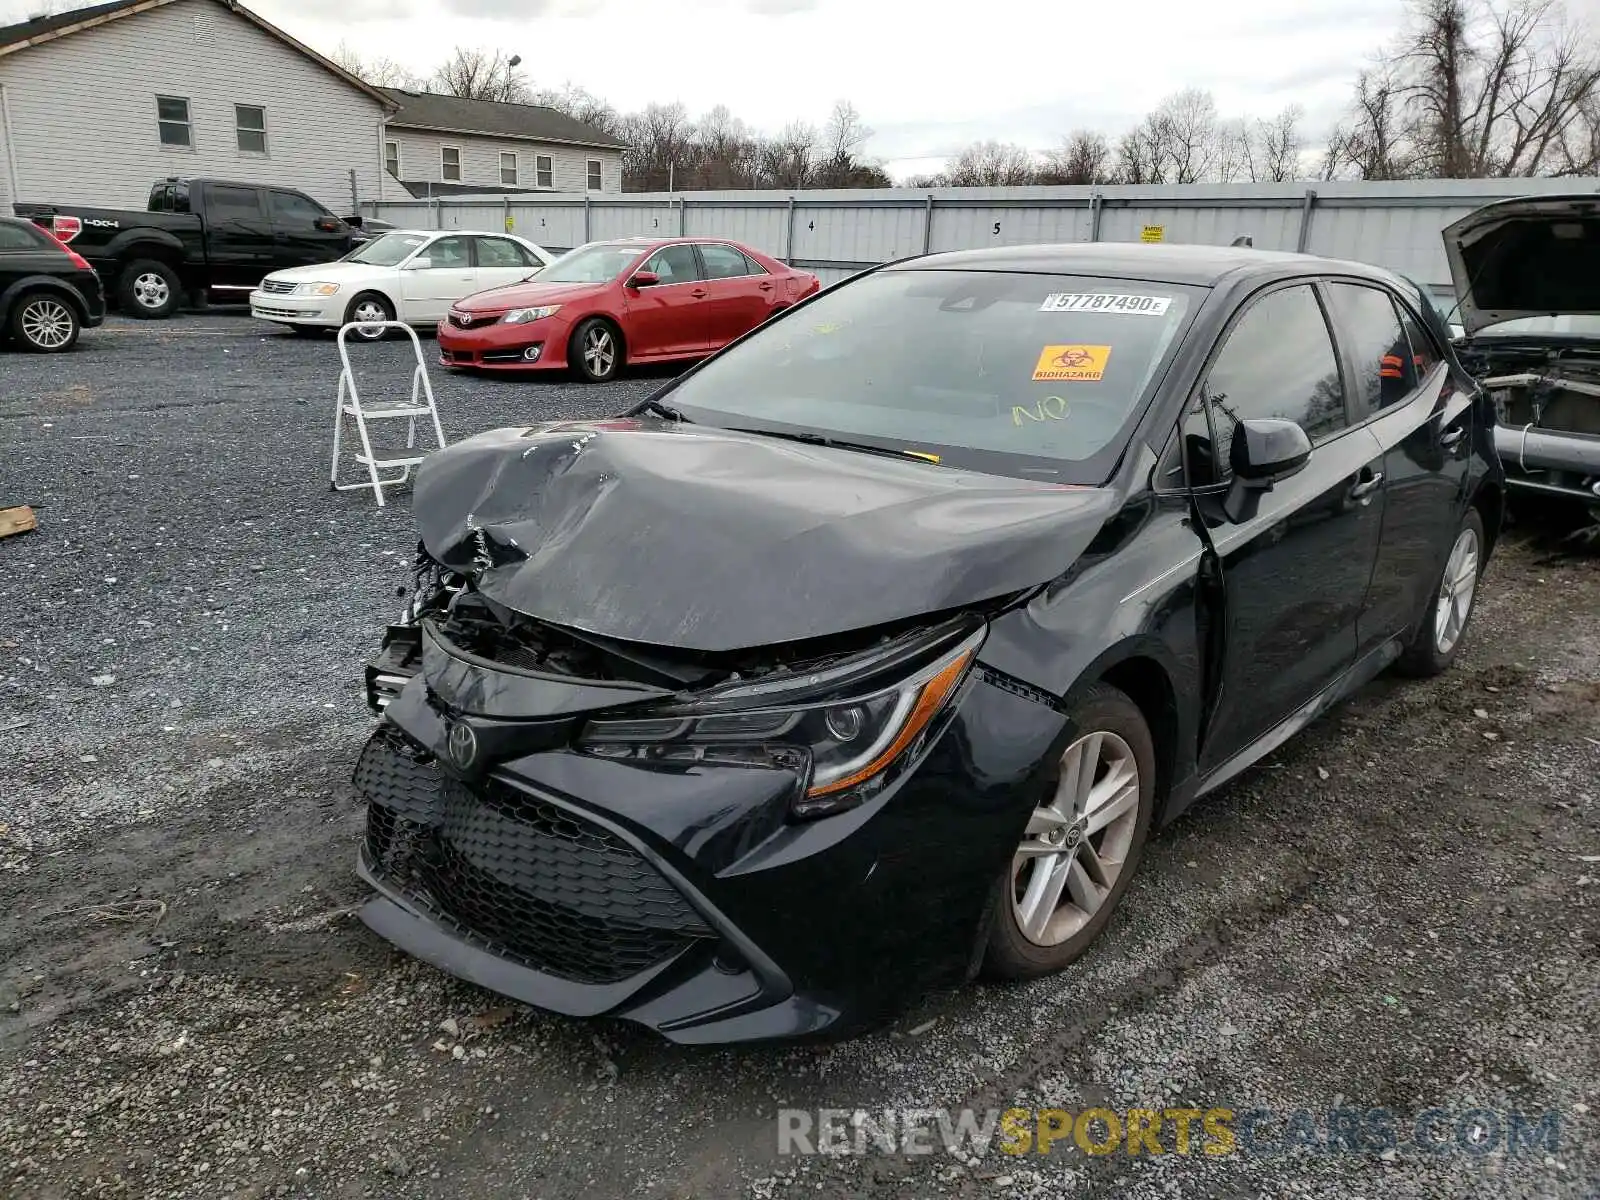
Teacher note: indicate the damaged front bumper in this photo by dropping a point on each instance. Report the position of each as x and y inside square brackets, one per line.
[1547, 434]
[680, 892]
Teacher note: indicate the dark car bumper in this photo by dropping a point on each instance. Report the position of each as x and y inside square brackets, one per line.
[88, 286]
[682, 898]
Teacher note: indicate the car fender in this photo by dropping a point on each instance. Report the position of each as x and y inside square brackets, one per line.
[42, 283]
[143, 243]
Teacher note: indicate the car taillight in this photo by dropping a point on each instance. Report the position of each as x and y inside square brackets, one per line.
[65, 228]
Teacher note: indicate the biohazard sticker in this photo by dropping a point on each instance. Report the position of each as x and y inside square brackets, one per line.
[1107, 302]
[1074, 364]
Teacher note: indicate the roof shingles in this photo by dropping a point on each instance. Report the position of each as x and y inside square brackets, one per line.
[529, 122]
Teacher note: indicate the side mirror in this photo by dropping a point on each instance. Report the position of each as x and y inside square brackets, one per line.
[329, 224]
[644, 279]
[1265, 451]
[419, 264]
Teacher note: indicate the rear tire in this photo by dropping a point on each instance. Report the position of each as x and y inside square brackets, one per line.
[1439, 635]
[1082, 844]
[149, 290]
[44, 323]
[369, 306]
[595, 350]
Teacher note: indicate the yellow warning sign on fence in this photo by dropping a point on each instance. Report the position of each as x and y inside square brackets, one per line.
[1153, 233]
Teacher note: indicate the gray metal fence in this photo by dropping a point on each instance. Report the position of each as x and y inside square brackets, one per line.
[837, 233]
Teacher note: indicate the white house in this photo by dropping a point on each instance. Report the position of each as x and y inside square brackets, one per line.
[98, 103]
[439, 145]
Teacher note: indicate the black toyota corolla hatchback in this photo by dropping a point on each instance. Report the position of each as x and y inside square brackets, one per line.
[865, 655]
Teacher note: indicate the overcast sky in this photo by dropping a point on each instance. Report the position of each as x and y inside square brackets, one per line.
[927, 76]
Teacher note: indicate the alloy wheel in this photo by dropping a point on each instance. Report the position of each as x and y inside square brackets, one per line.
[369, 311]
[1457, 590]
[1077, 845]
[599, 351]
[47, 324]
[151, 290]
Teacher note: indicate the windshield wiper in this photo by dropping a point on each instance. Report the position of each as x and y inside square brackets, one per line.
[666, 410]
[820, 439]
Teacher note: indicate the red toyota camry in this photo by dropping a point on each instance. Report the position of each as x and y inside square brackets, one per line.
[633, 300]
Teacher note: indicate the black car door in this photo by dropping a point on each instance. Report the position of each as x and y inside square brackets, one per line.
[1292, 577]
[1401, 389]
[238, 236]
[304, 232]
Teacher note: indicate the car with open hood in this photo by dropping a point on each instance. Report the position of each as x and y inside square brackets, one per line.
[1527, 272]
[865, 656]
[410, 275]
[622, 302]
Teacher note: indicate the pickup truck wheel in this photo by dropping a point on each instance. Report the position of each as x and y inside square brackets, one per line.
[44, 323]
[149, 290]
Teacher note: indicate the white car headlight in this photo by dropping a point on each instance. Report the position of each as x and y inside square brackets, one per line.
[316, 289]
[521, 316]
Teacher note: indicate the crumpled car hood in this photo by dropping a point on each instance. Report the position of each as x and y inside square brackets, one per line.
[1537, 256]
[697, 538]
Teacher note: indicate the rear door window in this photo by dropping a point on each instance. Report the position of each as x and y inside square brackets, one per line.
[1381, 355]
[233, 203]
[19, 237]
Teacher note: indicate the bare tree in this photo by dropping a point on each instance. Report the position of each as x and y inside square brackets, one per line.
[790, 159]
[1193, 140]
[1276, 146]
[581, 105]
[483, 75]
[1379, 139]
[1083, 157]
[660, 140]
[991, 164]
[379, 72]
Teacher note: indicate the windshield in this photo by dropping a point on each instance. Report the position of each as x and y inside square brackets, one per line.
[1013, 374]
[390, 250]
[599, 263]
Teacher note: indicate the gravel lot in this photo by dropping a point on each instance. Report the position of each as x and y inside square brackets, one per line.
[1398, 910]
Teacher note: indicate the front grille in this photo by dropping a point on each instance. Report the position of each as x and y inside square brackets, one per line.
[463, 320]
[519, 876]
[277, 287]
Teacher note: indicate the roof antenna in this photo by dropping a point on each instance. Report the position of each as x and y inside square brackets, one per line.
[1244, 239]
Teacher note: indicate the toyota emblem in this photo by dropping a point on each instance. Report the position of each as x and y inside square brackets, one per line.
[462, 745]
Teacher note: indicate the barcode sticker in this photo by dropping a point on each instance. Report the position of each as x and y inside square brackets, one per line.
[1106, 302]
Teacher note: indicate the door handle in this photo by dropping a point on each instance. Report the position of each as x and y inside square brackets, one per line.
[1366, 486]
[765, 287]
[1451, 438]
[698, 293]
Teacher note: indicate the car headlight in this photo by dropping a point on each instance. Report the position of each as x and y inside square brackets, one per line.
[316, 289]
[849, 748]
[521, 316]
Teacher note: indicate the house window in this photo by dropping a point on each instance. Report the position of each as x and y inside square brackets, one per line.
[250, 127]
[594, 175]
[391, 158]
[172, 119]
[508, 169]
[544, 170]
[450, 164]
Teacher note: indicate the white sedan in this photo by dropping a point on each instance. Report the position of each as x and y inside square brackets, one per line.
[407, 275]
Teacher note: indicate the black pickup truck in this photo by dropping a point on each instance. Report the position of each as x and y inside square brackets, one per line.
[199, 239]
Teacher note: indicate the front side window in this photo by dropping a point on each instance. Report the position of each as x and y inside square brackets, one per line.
[1277, 361]
[450, 164]
[172, 121]
[1033, 376]
[290, 209]
[674, 264]
[449, 254]
[594, 174]
[544, 170]
[250, 128]
[1369, 325]
[508, 169]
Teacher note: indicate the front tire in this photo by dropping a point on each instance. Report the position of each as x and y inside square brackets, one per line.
[149, 290]
[44, 323]
[595, 350]
[1434, 645]
[1082, 844]
[369, 306]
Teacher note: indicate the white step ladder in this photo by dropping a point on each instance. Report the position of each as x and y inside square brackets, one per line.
[384, 457]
